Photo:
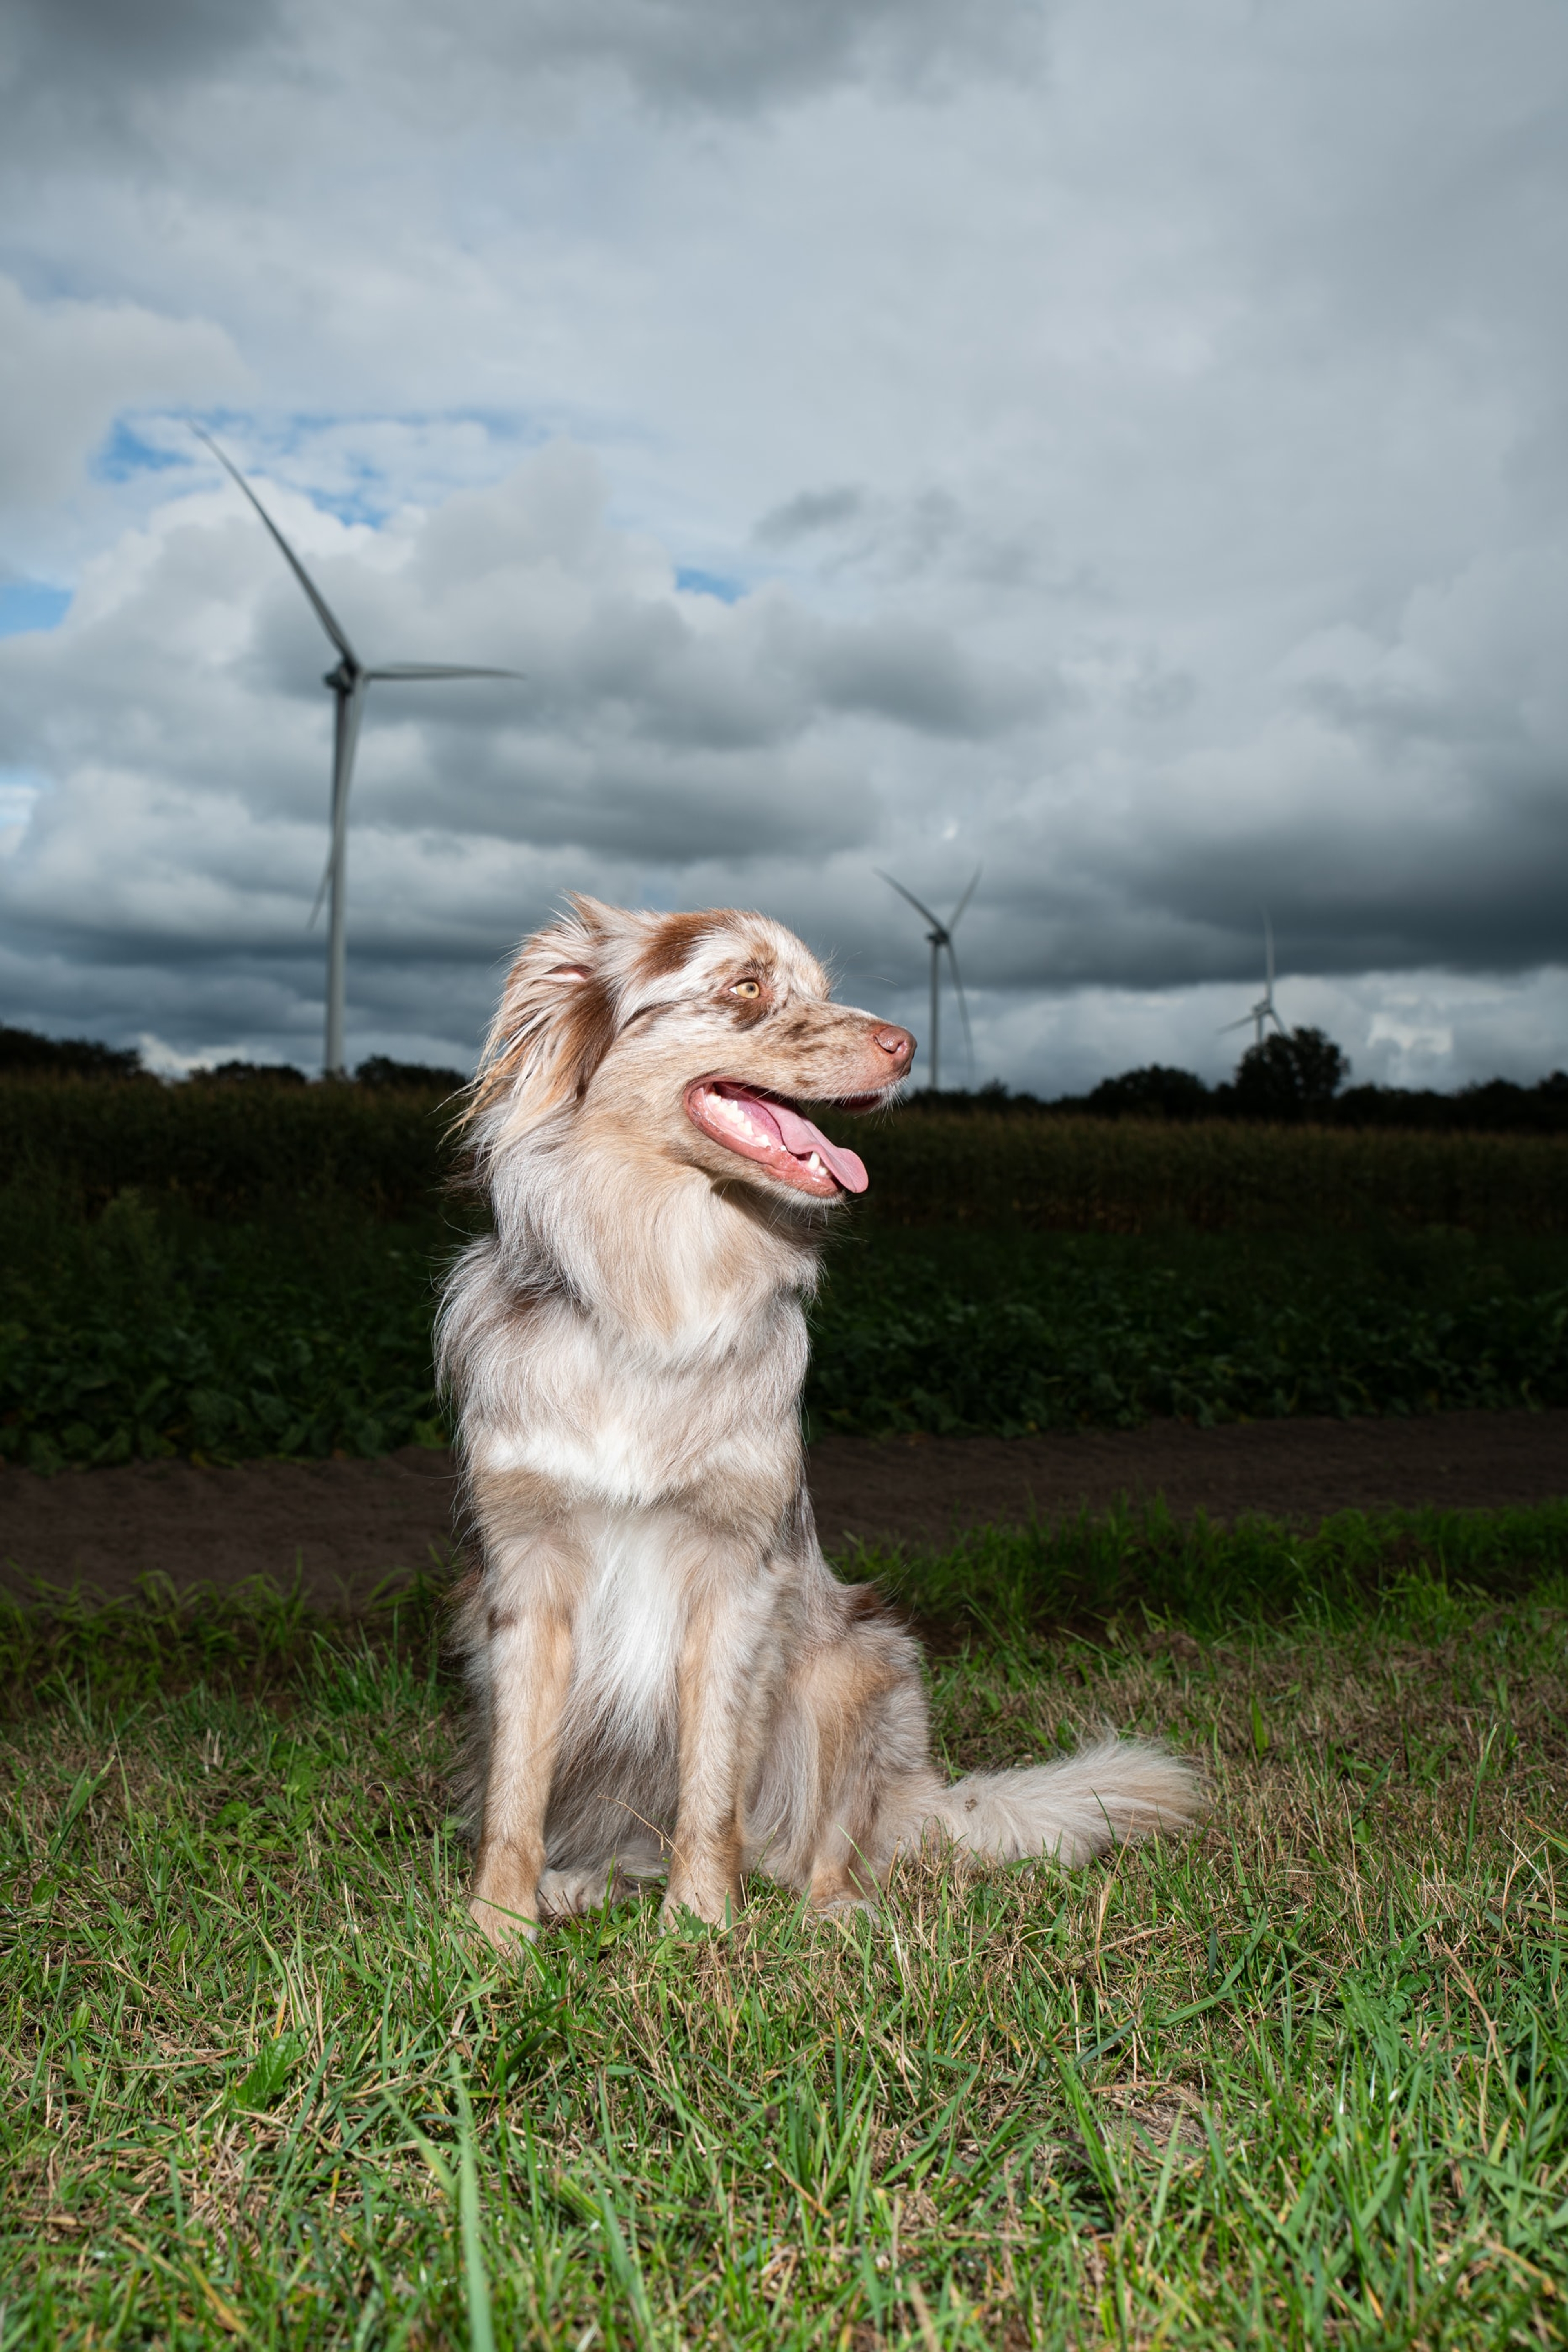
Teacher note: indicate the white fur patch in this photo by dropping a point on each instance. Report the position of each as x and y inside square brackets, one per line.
[628, 1630]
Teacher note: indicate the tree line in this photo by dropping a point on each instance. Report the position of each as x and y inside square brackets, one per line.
[1298, 1075]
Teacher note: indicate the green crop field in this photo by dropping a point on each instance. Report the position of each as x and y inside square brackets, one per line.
[228, 1272]
[1302, 2080]
[305, 1331]
[227, 1151]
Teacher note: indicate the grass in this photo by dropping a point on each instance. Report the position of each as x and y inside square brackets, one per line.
[151, 1331]
[1303, 2079]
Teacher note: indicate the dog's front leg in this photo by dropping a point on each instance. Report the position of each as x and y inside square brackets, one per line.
[722, 1702]
[528, 1667]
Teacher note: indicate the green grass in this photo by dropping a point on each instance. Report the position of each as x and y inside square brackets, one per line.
[1303, 2079]
[150, 1330]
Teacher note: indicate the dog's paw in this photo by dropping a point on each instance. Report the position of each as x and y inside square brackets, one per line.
[845, 1904]
[687, 1906]
[569, 1894]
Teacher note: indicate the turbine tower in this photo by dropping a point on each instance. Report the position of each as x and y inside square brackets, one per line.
[1263, 1011]
[350, 682]
[939, 938]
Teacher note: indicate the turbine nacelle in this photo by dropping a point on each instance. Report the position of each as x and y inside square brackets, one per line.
[940, 940]
[1263, 1011]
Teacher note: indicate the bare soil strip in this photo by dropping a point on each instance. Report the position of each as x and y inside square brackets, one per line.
[346, 1526]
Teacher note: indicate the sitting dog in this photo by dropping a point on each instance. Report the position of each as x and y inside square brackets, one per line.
[667, 1676]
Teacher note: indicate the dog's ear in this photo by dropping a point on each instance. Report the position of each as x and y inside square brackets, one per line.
[557, 1021]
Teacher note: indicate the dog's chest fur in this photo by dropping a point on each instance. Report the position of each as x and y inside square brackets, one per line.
[700, 1417]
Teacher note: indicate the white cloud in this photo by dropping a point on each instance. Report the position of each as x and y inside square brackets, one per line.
[69, 368]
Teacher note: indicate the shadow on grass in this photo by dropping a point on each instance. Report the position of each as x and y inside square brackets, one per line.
[999, 1587]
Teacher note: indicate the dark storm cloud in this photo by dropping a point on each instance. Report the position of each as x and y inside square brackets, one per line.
[809, 513]
[82, 72]
[720, 54]
[84, 67]
[60, 45]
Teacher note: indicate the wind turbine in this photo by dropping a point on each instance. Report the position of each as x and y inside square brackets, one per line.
[1263, 1011]
[349, 683]
[940, 937]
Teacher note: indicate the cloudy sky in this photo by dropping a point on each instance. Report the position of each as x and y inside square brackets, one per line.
[1120, 445]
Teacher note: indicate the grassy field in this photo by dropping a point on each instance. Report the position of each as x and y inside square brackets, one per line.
[150, 1330]
[1302, 2080]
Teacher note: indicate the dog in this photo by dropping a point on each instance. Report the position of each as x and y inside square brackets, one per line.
[668, 1680]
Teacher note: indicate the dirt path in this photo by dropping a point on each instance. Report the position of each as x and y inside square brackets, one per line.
[346, 1525]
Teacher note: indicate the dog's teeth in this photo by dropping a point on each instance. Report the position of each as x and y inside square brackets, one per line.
[816, 1166]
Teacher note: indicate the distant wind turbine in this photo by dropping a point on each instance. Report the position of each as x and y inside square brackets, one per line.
[939, 938]
[1263, 1011]
[350, 682]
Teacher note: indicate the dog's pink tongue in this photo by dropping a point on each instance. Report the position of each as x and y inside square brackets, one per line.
[801, 1138]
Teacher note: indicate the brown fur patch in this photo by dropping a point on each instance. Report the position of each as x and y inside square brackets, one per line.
[669, 947]
[588, 1032]
[515, 1503]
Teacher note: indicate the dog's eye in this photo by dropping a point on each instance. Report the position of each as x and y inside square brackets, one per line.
[746, 988]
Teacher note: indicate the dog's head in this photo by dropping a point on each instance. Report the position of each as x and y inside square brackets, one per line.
[694, 1036]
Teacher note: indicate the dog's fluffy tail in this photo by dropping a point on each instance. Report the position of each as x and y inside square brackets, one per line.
[1119, 1789]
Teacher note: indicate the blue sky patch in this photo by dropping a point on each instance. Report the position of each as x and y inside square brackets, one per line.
[710, 583]
[125, 454]
[361, 490]
[31, 604]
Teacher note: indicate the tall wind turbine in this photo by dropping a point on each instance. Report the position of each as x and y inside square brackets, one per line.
[939, 938]
[349, 683]
[1263, 1011]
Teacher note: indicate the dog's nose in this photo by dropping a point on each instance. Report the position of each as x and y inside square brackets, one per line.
[897, 1043]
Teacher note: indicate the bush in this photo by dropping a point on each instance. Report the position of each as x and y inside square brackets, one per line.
[248, 1073]
[1290, 1077]
[74, 1057]
[421, 1077]
[1152, 1093]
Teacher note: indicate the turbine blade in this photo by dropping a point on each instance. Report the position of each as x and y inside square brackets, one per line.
[409, 671]
[914, 902]
[323, 611]
[1245, 1022]
[964, 901]
[963, 1011]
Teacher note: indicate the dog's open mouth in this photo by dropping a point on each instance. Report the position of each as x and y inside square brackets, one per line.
[761, 1128]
